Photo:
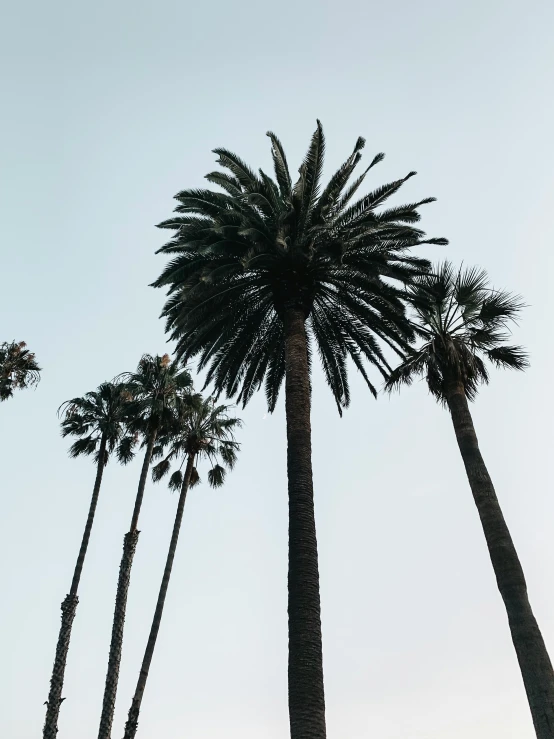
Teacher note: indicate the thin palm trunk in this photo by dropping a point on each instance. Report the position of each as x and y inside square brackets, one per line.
[132, 721]
[116, 645]
[69, 607]
[306, 693]
[534, 662]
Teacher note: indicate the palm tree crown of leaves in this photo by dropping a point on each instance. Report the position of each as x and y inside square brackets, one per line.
[105, 411]
[18, 368]
[202, 430]
[241, 257]
[155, 386]
[463, 323]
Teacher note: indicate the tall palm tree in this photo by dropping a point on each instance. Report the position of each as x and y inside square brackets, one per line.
[99, 420]
[463, 324]
[203, 431]
[155, 387]
[18, 368]
[256, 274]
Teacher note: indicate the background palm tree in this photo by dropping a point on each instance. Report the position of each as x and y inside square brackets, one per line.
[464, 323]
[257, 273]
[98, 419]
[203, 431]
[18, 368]
[155, 388]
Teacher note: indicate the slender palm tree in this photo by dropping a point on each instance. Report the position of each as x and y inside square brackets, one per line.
[18, 368]
[203, 430]
[464, 324]
[99, 420]
[257, 273]
[155, 387]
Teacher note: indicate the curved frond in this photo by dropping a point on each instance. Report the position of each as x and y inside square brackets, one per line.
[175, 481]
[216, 476]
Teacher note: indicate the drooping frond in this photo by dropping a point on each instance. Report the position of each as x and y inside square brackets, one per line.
[176, 480]
[160, 470]
[510, 357]
[216, 476]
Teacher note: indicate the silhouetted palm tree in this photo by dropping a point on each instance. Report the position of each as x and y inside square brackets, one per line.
[203, 430]
[463, 324]
[98, 418]
[155, 387]
[257, 273]
[18, 368]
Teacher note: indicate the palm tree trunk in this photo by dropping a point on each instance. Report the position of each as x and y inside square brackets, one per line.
[306, 693]
[69, 607]
[116, 645]
[132, 721]
[534, 662]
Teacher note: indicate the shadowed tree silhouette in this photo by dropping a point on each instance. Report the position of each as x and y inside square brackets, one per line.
[464, 324]
[203, 430]
[259, 272]
[99, 420]
[155, 388]
[18, 368]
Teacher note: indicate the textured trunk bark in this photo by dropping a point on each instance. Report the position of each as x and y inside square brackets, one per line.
[132, 721]
[69, 607]
[534, 662]
[116, 644]
[306, 693]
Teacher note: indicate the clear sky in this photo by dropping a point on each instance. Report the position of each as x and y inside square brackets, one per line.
[109, 108]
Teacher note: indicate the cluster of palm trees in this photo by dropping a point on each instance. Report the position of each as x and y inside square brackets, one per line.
[259, 273]
[154, 408]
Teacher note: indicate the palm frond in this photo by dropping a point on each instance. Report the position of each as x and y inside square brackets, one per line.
[160, 470]
[216, 476]
[510, 357]
[175, 481]
[281, 167]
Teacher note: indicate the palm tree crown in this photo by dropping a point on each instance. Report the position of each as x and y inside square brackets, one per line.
[202, 430]
[18, 368]
[155, 387]
[463, 323]
[243, 257]
[102, 412]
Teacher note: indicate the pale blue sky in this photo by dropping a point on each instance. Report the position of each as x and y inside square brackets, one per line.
[109, 108]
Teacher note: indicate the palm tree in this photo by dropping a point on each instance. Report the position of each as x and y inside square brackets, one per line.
[155, 387]
[204, 430]
[464, 323]
[18, 368]
[259, 272]
[98, 419]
